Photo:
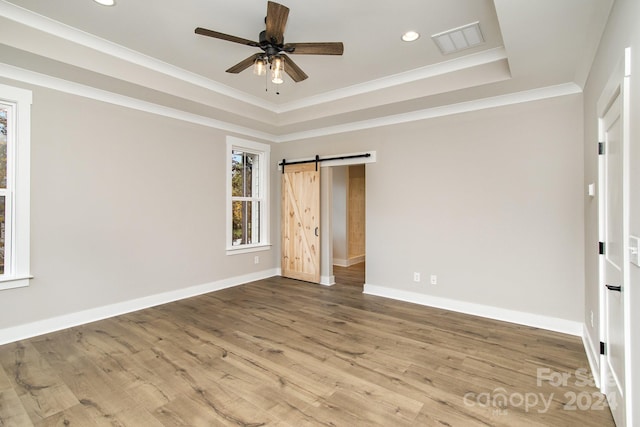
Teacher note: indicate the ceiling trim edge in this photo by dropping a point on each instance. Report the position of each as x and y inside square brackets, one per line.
[43, 80]
[445, 110]
[429, 71]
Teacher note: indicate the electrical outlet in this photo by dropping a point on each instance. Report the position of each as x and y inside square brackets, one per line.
[434, 279]
[416, 277]
[256, 259]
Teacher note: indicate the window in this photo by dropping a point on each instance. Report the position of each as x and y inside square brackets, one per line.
[247, 196]
[15, 125]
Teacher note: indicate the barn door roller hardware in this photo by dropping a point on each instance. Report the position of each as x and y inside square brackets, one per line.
[317, 160]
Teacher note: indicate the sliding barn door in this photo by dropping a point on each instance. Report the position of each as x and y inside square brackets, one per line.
[301, 222]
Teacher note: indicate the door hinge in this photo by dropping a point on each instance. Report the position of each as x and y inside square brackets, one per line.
[600, 148]
[603, 348]
[601, 248]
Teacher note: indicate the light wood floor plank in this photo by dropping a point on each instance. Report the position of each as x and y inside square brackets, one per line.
[41, 390]
[280, 352]
[12, 411]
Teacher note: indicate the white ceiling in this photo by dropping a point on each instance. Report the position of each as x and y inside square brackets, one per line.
[147, 50]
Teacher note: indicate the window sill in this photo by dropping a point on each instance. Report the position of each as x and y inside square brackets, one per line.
[248, 248]
[13, 282]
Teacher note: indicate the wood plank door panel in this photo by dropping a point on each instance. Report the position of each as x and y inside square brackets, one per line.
[300, 222]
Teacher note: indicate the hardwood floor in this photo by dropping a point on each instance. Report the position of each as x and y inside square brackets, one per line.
[350, 276]
[288, 353]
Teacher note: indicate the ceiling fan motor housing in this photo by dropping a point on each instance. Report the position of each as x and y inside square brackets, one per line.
[269, 47]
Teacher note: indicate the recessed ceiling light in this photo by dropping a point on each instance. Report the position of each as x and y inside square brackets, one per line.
[410, 36]
[106, 2]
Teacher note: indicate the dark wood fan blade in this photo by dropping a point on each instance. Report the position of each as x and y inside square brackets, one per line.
[330, 48]
[293, 70]
[244, 64]
[276, 21]
[227, 37]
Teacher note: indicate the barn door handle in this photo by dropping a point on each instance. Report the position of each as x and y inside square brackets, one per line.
[614, 288]
[316, 232]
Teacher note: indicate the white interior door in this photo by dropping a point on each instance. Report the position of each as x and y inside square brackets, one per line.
[615, 259]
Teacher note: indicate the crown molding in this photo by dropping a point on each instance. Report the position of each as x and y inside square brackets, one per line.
[429, 71]
[43, 80]
[445, 110]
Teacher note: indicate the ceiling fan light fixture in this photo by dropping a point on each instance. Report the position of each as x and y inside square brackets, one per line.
[277, 70]
[260, 66]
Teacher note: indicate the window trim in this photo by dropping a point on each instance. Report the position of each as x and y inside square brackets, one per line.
[19, 173]
[262, 150]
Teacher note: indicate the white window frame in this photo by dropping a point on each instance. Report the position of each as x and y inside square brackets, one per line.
[17, 201]
[263, 151]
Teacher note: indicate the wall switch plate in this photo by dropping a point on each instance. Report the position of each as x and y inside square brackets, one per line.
[434, 279]
[256, 259]
[416, 277]
[591, 190]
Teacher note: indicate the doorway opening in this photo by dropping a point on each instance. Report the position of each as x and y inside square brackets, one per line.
[315, 230]
[349, 224]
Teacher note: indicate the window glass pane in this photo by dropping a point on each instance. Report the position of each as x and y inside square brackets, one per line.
[246, 224]
[3, 147]
[244, 174]
[2, 240]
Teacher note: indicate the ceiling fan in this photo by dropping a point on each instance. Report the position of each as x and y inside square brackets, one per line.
[274, 49]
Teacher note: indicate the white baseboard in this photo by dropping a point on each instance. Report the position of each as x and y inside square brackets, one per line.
[340, 262]
[529, 319]
[328, 280]
[45, 326]
[356, 260]
[592, 354]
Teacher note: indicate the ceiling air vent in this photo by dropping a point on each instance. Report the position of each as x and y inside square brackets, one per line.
[460, 38]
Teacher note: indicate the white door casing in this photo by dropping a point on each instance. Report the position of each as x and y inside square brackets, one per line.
[613, 116]
[614, 262]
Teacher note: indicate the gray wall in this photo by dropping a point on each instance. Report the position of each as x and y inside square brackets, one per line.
[622, 31]
[490, 201]
[124, 205]
[127, 204]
